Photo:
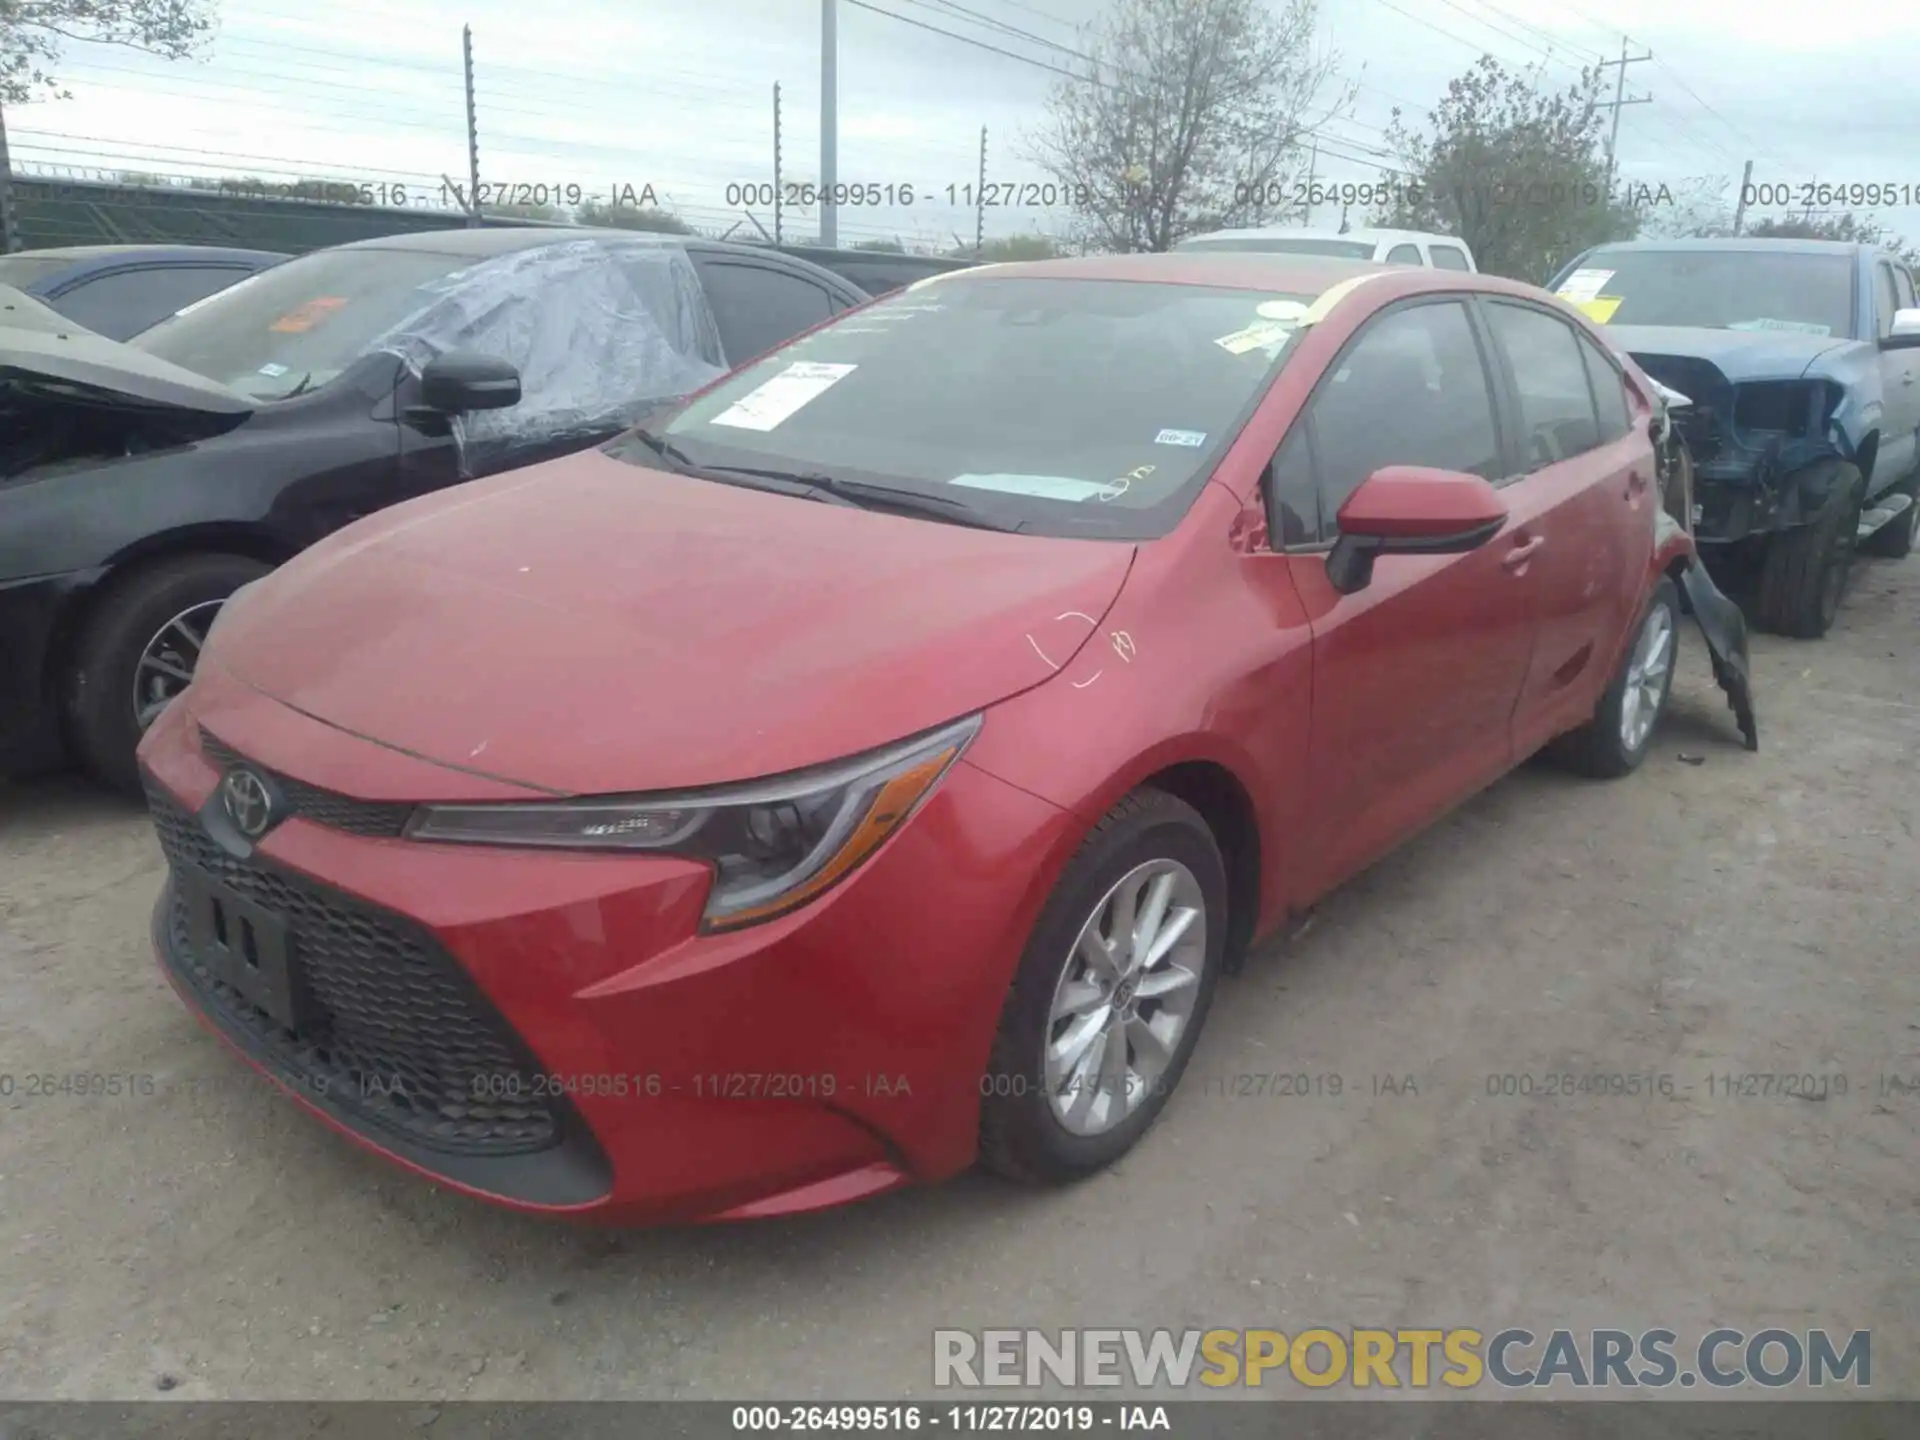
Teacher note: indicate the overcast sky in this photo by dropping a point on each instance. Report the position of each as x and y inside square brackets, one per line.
[678, 93]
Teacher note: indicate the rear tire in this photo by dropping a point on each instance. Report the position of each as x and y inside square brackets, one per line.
[1894, 540]
[1621, 732]
[1804, 576]
[136, 620]
[1023, 1134]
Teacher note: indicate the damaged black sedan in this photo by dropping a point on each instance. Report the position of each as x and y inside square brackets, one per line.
[142, 483]
[1797, 367]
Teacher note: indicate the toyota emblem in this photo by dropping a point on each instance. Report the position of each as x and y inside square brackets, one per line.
[247, 801]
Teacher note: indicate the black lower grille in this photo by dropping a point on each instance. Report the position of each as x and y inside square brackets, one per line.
[399, 1038]
[379, 818]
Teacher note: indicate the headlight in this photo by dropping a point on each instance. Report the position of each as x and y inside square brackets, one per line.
[773, 844]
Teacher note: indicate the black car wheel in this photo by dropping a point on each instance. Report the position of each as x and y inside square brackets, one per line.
[1616, 740]
[138, 650]
[1804, 576]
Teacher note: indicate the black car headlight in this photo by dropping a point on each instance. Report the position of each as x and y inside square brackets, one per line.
[773, 844]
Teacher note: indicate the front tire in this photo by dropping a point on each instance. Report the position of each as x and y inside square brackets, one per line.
[1618, 737]
[1110, 995]
[1804, 575]
[138, 650]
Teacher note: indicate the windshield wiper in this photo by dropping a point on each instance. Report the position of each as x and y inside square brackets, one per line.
[880, 497]
[666, 450]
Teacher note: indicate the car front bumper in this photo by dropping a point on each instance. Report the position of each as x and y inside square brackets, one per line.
[550, 1031]
[32, 611]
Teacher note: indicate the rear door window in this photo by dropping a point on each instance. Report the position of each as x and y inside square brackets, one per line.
[1404, 255]
[1556, 400]
[1449, 257]
[1609, 392]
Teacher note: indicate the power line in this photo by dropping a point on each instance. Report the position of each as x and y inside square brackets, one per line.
[963, 39]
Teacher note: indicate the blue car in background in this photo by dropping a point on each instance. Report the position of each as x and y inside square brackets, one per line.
[1799, 361]
[119, 290]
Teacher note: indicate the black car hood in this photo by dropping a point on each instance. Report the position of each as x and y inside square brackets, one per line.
[43, 353]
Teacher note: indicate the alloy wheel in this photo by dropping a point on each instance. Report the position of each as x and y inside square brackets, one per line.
[1648, 673]
[1125, 996]
[167, 662]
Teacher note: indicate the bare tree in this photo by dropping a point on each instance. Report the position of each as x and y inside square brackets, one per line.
[1186, 115]
[1702, 209]
[31, 32]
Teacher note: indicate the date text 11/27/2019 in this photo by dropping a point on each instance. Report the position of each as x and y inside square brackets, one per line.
[623, 196]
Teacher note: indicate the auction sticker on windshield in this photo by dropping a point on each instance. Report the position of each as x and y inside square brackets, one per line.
[305, 316]
[1584, 285]
[767, 405]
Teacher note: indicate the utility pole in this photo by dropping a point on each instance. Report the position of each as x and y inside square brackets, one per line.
[829, 128]
[1619, 100]
[1740, 206]
[776, 162]
[980, 200]
[473, 130]
[1306, 201]
[9, 219]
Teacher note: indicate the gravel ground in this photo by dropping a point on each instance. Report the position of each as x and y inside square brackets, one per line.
[1750, 913]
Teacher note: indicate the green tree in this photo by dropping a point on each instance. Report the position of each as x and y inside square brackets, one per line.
[1186, 115]
[656, 218]
[1845, 226]
[32, 32]
[1011, 247]
[1516, 171]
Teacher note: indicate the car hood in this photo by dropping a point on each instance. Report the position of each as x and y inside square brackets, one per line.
[592, 626]
[45, 354]
[1739, 355]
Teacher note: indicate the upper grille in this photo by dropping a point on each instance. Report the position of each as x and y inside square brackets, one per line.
[384, 819]
[401, 1038]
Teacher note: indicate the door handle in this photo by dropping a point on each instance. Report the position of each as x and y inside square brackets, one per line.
[1523, 552]
[1906, 378]
[1636, 483]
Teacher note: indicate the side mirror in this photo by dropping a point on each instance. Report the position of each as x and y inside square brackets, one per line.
[1906, 331]
[1411, 510]
[463, 380]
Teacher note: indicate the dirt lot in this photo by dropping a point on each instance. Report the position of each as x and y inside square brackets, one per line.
[1748, 914]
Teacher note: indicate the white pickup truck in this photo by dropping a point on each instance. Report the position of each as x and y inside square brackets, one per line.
[1393, 247]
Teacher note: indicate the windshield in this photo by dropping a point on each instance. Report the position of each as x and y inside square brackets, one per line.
[1284, 245]
[1067, 406]
[298, 325]
[1716, 289]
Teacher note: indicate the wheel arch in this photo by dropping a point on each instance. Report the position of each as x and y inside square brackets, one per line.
[1224, 803]
[250, 542]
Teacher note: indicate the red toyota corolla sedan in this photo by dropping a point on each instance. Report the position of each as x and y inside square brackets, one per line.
[872, 765]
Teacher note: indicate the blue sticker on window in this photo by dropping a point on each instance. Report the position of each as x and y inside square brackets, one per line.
[1193, 438]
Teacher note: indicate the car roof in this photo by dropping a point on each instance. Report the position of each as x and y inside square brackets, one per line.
[1745, 242]
[1234, 269]
[1269, 271]
[80, 254]
[1298, 232]
[485, 241]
